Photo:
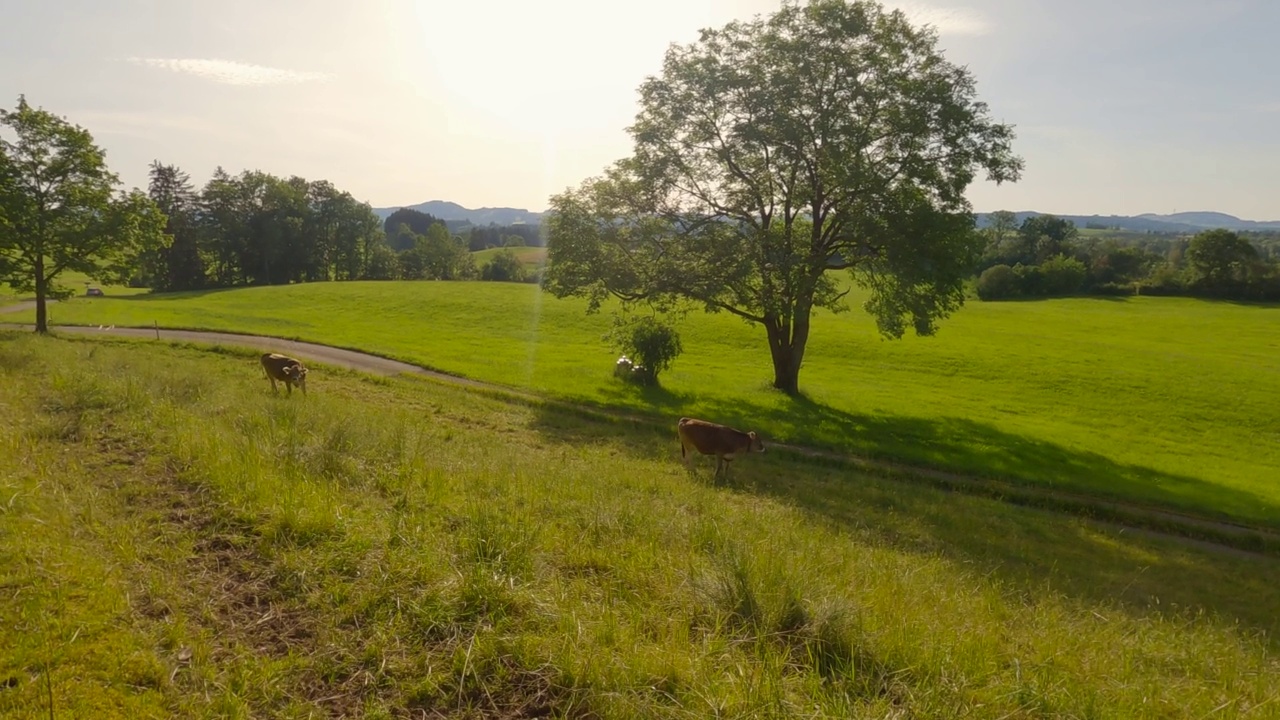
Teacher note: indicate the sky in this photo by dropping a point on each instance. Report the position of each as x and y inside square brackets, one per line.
[1119, 106]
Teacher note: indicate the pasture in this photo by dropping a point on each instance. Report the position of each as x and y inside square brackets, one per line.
[531, 257]
[75, 281]
[1168, 401]
[177, 541]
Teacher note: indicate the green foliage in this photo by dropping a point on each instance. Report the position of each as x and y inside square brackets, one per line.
[179, 265]
[751, 179]
[998, 283]
[651, 344]
[383, 263]
[438, 255]
[1045, 236]
[404, 224]
[1220, 260]
[1056, 277]
[1062, 276]
[503, 266]
[259, 229]
[62, 210]
[1116, 264]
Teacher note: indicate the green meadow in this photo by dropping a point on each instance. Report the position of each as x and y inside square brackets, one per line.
[74, 281]
[531, 257]
[1167, 401]
[175, 540]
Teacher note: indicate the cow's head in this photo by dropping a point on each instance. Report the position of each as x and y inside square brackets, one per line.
[757, 445]
[298, 374]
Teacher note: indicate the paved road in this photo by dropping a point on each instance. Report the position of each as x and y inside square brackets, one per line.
[1137, 516]
[315, 352]
[18, 307]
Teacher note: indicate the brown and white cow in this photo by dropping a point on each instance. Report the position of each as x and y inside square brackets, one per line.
[285, 369]
[711, 439]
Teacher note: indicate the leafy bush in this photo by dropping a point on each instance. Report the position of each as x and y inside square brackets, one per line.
[997, 283]
[1062, 275]
[651, 344]
[504, 266]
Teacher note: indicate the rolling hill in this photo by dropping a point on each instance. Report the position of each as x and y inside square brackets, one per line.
[1184, 222]
[1178, 223]
[453, 213]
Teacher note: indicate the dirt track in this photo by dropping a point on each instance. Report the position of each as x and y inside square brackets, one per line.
[1219, 535]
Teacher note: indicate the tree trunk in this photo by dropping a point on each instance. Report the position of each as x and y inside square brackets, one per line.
[787, 341]
[42, 288]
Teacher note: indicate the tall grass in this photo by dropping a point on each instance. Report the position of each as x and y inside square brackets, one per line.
[176, 540]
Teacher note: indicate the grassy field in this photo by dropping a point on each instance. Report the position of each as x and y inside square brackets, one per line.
[1162, 400]
[79, 282]
[175, 541]
[530, 257]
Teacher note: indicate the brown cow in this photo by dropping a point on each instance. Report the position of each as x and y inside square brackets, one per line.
[711, 439]
[286, 370]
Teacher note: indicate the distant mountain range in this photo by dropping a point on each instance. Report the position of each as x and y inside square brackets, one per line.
[454, 214]
[1184, 222]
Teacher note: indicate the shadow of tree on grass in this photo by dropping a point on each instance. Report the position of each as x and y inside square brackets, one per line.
[1033, 551]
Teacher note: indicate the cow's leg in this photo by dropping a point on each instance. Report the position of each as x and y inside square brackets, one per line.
[274, 389]
[288, 385]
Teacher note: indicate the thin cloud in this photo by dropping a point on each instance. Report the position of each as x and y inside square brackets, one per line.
[947, 21]
[232, 73]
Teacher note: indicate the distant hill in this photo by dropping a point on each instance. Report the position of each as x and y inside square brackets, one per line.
[1186, 222]
[455, 214]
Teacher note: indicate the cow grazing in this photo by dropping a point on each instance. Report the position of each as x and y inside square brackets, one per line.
[711, 439]
[285, 369]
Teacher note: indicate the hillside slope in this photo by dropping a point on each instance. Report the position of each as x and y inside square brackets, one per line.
[188, 544]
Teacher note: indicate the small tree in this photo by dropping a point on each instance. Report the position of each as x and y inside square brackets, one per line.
[650, 343]
[382, 264]
[1220, 260]
[1045, 236]
[61, 209]
[1063, 275]
[504, 266]
[997, 283]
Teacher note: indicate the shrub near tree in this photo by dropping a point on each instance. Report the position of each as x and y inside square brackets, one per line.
[504, 266]
[651, 345]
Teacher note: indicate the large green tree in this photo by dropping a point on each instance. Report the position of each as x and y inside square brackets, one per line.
[63, 210]
[771, 152]
[1221, 260]
[180, 266]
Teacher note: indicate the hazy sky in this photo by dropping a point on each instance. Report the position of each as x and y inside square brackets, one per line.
[1121, 106]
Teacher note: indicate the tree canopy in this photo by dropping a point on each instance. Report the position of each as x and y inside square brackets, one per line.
[770, 152]
[62, 209]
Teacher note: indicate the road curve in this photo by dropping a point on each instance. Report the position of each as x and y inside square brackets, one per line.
[18, 307]
[327, 354]
[1200, 531]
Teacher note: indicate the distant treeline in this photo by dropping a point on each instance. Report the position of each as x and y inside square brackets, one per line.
[477, 237]
[258, 229]
[1045, 257]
